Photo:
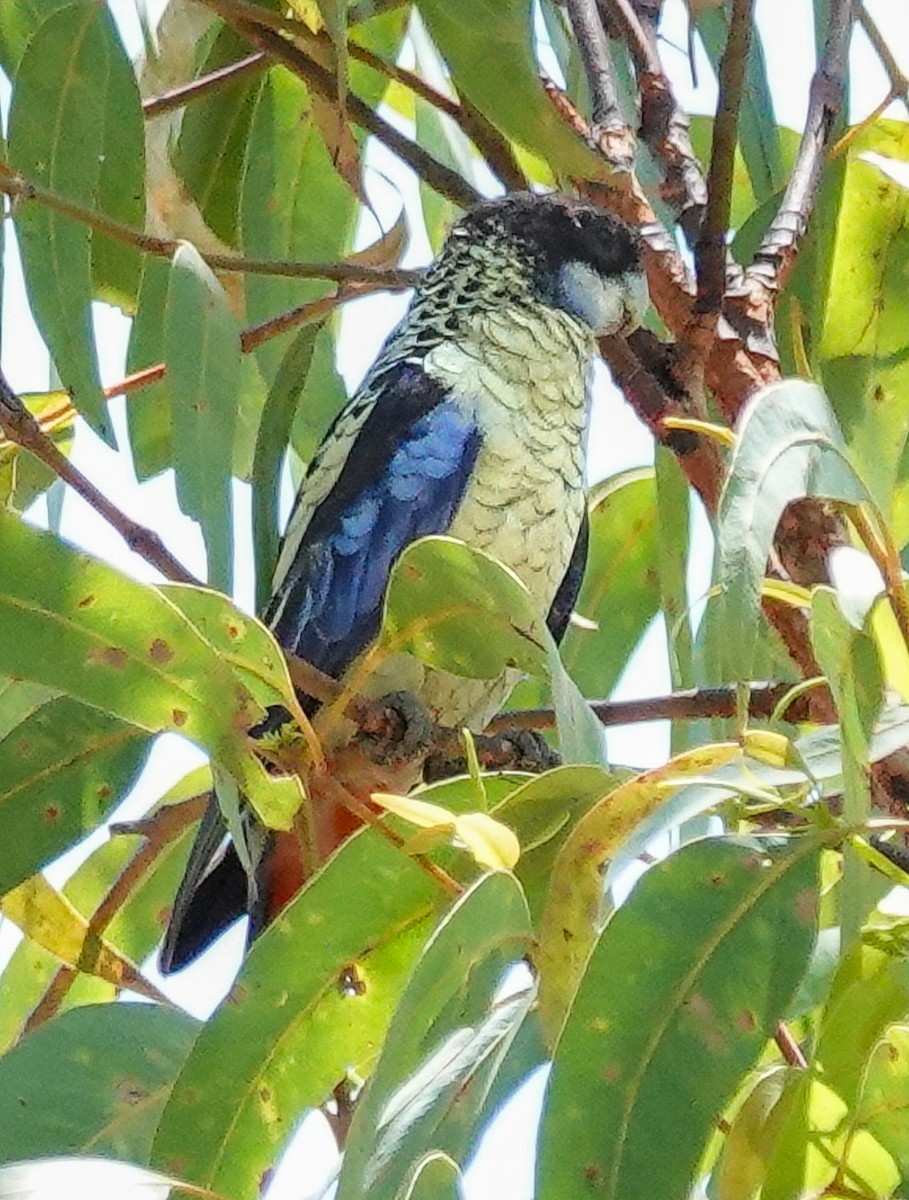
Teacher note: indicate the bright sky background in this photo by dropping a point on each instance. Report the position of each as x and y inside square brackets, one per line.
[503, 1168]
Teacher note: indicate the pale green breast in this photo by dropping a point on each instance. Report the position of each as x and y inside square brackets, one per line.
[526, 383]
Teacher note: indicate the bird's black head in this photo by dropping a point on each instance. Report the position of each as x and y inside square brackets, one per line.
[579, 258]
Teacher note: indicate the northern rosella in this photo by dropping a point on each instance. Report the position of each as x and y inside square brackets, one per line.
[472, 422]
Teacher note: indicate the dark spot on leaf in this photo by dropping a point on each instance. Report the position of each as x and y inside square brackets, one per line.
[567, 935]
[351, 983]
[413, 572]
[130, 1093]
[612, 1073]
[718, 879]
[746, 1020]
[593, 1175]
[112, 656]
[179, 717]
[806, 906]
[87, 601]
[233, 631]
[160, 652]
[104, 792]
[51, 814]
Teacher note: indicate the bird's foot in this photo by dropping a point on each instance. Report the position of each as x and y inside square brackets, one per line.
[396, 728]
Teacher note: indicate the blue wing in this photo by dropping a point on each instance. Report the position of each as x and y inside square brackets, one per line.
[404, 476]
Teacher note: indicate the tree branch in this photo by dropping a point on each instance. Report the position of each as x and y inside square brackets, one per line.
[899, 83]
[779, 248]
[711, 252]
[695, 704]
[22, 428]
[610, 132]
[179, 97]
[23, 190]
[664, 126]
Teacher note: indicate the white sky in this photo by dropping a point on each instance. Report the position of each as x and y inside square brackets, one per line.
[503, 1168]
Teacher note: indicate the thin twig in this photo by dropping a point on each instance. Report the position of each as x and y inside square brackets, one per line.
[899, 83]
[789, 1047]
[22, 428]
[441, 178]
[695, 704]
[776, 255]
[215, 81]
[605, 111]
[710, 252]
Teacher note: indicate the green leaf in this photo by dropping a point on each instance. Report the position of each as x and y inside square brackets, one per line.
[211, 148]
[134, 931]
[461, 611]
[294, 205]
[434, 1177]
[884, 1103]
[62, 769]
[864, 351]
[849, 658]
[57, 137]
[683, 988]
[313, 1001]
[749, 1143]
[543, 811]
[202, 352]
[789, 447]
[117, 267]
[574, 902]
[21, 19]
[488, 47]
[271, 445]
[148, 409]
[75, 624]
[620, 592]
[447, 1028]
[93, 1081]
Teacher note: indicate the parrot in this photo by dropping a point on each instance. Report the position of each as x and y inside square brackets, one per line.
[471, 423]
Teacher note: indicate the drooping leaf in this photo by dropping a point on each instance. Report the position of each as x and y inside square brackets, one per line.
[148, 409]
[32, 972]
[82, 627]
[620, 593]
[487, 45]
[92, 1081]
[202, 352]
[570, 921]
[271, 445]
[58, 123]
[447, 1027]
[210, 151]
[61, 770]
[865, 345]
[46, 916]
[313, 1000]
[789, 447]
[682, 989]
[884, 1102]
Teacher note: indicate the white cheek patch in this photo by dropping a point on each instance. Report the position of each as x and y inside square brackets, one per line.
[606, 305]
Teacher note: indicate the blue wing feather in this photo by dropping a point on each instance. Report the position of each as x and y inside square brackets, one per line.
[404, 478]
